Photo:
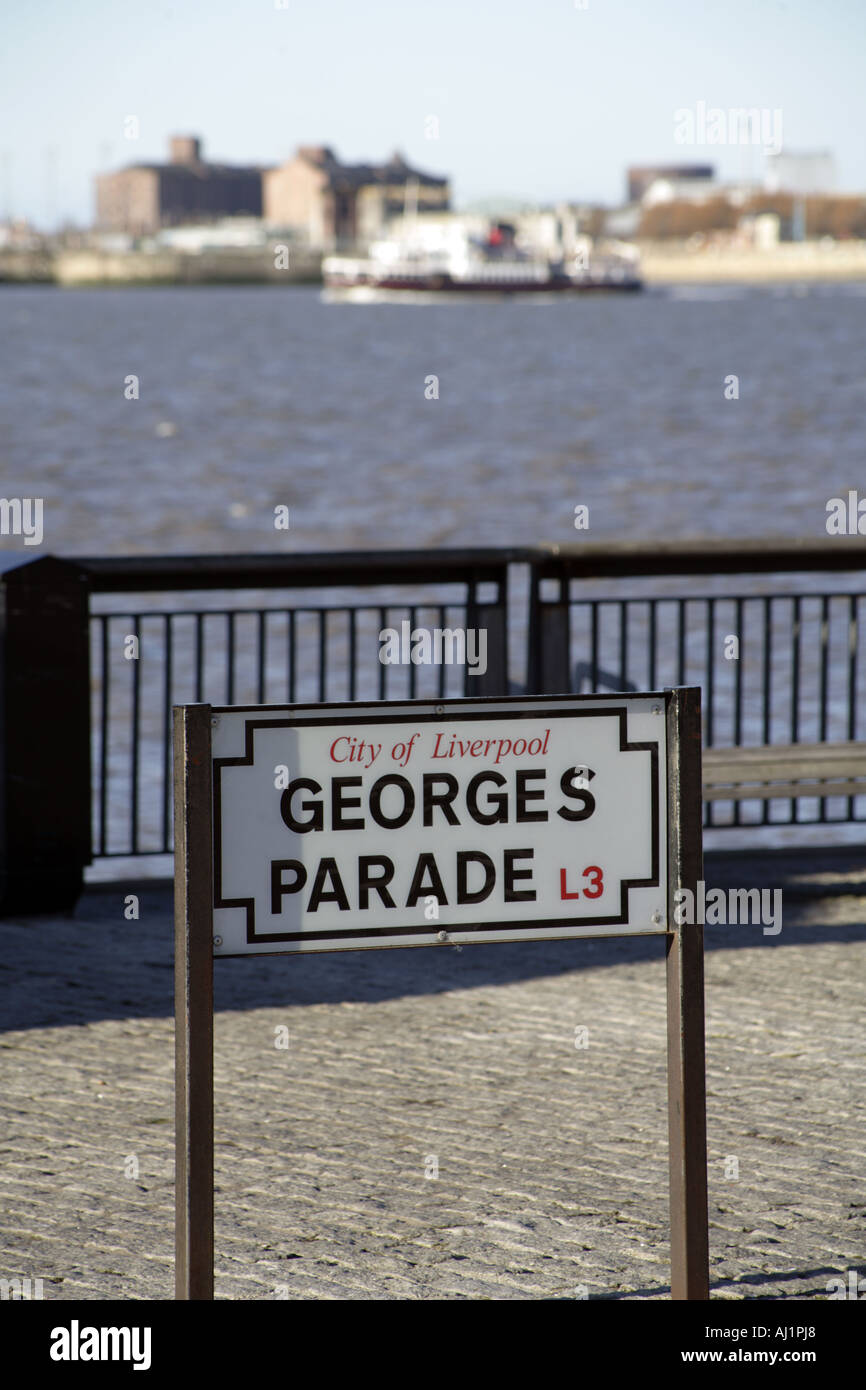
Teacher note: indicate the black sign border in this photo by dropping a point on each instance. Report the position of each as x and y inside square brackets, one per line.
[441, 710]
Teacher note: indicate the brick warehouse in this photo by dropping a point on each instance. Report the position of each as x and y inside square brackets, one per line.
[332, 205]
[142, 198]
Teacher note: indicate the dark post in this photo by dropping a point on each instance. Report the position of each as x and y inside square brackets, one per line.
[687, 1123]
[492, 617]
[549, 639]
[193, 1002]
[45, 829]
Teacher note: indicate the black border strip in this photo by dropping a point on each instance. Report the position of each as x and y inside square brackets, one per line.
[418, 716]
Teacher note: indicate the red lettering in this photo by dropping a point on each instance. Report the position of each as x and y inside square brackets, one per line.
[597, 883]
[563, 891]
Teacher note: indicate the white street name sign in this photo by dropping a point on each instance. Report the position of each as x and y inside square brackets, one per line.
[346, 826]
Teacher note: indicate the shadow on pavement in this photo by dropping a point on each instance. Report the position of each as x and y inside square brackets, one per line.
[743, 1282]
[57, 971]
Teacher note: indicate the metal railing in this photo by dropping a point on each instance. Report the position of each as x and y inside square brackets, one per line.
[80, 697]
[230, 656]
[774, 667]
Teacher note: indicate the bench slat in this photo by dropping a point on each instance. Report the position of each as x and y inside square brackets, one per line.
[784, 770]
[784, 762]
[768, 791]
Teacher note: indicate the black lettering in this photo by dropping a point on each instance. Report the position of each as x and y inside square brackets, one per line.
[476, 895]
[426, 865]
[522, 795]
[328, 869]
[392, 780]
[499, 799]
[339, 801]
[278, 888]
[512, 894]
[317, 818]
[441, 799]
[365, 882]
[580, 793]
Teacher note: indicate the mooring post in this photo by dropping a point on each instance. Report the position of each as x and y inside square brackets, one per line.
[687, 1123]
[193, 1003]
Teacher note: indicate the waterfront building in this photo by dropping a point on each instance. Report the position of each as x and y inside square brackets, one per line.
[813, 172]
[335, 206]
[640, 176]
[142, 198]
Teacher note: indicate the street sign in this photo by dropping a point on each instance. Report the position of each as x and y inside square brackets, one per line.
[348, 826]
[338, 827]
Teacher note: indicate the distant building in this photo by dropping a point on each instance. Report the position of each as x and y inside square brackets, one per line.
[334, 205]
[674, 190]
[640, 176]
[142, 198]
[224, 234]
[800, 173]
[668, 190]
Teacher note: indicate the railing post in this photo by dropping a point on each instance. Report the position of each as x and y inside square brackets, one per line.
[549, 639]
[493, 618]
[45, 828]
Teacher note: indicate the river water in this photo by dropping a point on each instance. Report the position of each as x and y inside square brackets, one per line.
[252, 398]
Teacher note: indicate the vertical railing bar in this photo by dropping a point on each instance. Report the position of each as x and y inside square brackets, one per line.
[681, 642]
[738, 680]
[711, 642]
[104, 619]
[261, 638]
[852, 682]
[796, 625]
[593, 608]
[199, 657]
[136, 723]
[413, 620]
[442, 624]
[353, 652]
[290, 654]
[230, 666]
[767, 672]
[167, 733]
[623, 642]
[710, 682]
[323, 654]
[738, 692]
[766, 682]
[652, 644]
[825, 644]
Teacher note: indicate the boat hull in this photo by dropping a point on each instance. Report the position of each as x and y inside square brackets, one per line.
[449, 285]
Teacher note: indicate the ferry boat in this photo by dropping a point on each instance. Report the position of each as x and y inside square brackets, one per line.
[459, 262]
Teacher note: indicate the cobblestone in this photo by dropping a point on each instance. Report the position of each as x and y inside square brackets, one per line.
[552, 1160]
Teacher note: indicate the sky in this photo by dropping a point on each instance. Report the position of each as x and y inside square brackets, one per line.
[542, 100]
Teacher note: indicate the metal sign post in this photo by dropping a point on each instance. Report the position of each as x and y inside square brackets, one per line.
[193, 1002]
[350, 827]
[687, 1123]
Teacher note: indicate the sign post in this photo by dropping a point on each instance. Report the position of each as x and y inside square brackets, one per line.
[687, 1122]
[350, 827]
[193, 1002]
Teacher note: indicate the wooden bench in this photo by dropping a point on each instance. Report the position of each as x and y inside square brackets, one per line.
[784, 769]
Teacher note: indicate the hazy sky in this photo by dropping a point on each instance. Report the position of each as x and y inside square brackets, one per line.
[541, 99]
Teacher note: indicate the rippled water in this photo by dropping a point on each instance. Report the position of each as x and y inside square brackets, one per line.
[250, 398]
[273, 397]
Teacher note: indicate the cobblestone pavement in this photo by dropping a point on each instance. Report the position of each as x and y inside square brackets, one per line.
[552, 1159]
